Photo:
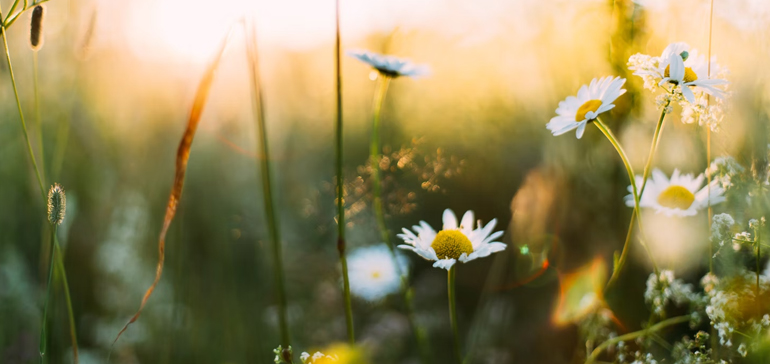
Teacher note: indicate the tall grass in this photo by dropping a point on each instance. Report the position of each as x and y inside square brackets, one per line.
[267, 192]
[182, 157]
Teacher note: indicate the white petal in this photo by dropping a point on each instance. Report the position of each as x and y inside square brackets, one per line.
[450, 220]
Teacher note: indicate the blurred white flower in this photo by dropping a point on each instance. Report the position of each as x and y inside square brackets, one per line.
[454, 242]
[389, 65]
[317, 358]
[592, 100]
[373, 274]
[678, 196]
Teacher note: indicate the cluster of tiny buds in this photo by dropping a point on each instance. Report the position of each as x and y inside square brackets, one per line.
[57, 204]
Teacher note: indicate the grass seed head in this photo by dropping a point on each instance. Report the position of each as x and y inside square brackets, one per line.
[36, 28]
[57, 204]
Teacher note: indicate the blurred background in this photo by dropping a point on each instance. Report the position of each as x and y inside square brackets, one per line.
[117, 81]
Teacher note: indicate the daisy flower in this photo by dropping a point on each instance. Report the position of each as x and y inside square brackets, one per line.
[454, 242]
[592, 100]
[682, 195]
[683, 68]
[373, 274]
[389, 65]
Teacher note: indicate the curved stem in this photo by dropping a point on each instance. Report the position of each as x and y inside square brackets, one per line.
[453, 312]
[647, 169]
[631, 176]
[379, 211]
[340, 181]
[43, 324]
[633, 335]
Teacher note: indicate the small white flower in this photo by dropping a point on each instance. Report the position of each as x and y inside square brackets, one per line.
[454, 242]
[678, 196]
[681, 67]
[743, 350]
[575, 112]
[317, 358]
[373, 274]
[389, 65]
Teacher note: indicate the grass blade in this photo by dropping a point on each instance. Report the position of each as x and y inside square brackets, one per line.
[182, 156]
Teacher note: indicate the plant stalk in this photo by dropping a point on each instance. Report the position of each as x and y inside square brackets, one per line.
[341, 181]
[633, 335]
[267, 189]
[55, 243]
[631, 176]
[452, 274]
[44, 323]
[379, 211]
[647, 169]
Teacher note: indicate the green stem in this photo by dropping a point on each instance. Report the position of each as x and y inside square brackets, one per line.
[453, 312]
[340, 180]
[647, 169]
[38, 118]
[9, 20]
[636, 334]
[374, 158]
[43, 324]
[58, 258]
[631, 176]
[21, 115]
[267, 191]
[70, 311]
[379, 211]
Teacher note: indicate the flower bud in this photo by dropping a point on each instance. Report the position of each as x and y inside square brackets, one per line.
[36, 28]
[57, 204]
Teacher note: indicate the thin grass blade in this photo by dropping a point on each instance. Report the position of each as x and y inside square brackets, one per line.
[182, 156]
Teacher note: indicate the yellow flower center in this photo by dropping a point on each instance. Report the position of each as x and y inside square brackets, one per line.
[590, 105]
[676, 197]
[376, 274]
[451, 244]
[689, 74]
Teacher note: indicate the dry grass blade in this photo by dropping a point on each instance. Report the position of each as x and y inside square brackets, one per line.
[182, 156]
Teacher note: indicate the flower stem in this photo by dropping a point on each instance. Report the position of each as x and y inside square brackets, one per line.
[340, 182]
[614, 141]
[43, 332]
[452, 274]
[70, 313]
[647, 168]
[267, 191]
[633, 335]
[39, 120]
[55, 243]
[374, 158]
[379, 211]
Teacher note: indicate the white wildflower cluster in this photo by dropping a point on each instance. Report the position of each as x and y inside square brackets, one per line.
[695, 351]
[317, 358]
[282, 355]
[596, 325]
[720, 228]
[663, 288]
[646, 66]
[625, 356]
[687, 79]
[725, 169]
[726, 308]
[704, 111]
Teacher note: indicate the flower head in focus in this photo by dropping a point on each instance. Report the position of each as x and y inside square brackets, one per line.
[373, 273]
[575, 112]
[687, 78]
[390, 66]
[681, 195]
[454, 242]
